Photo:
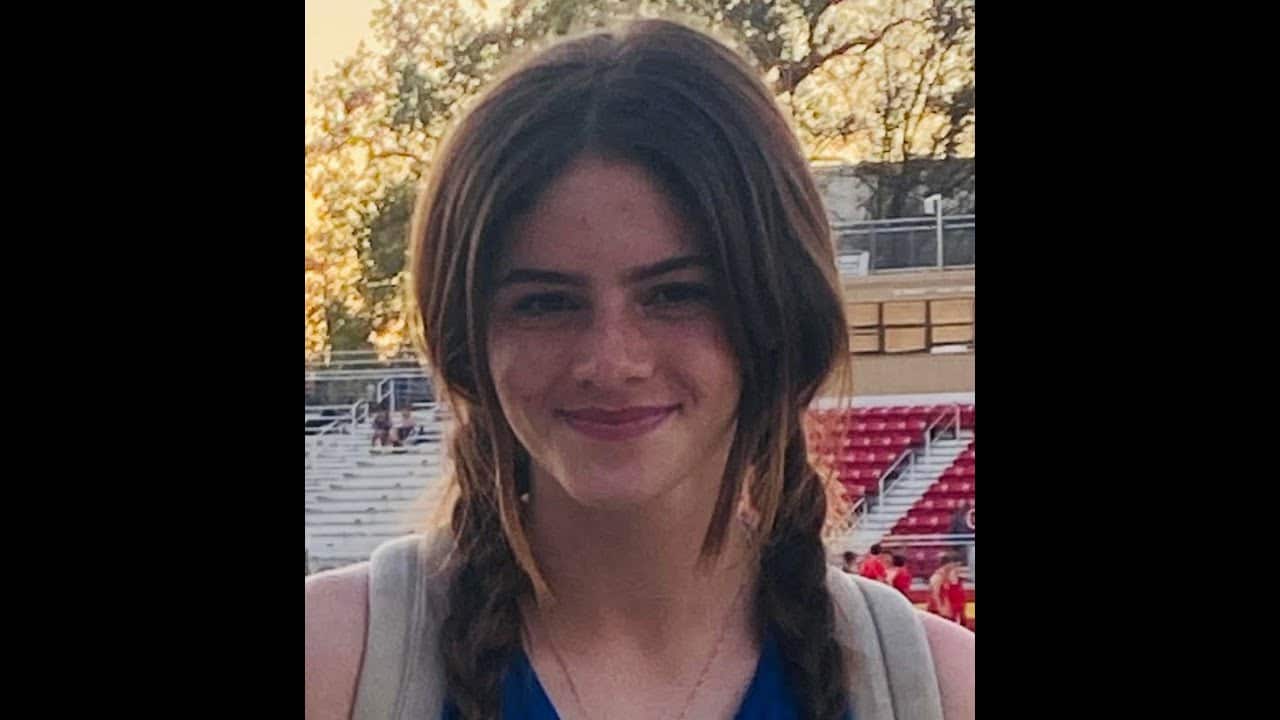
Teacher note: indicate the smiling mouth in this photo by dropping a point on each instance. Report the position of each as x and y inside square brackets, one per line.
[615, 425]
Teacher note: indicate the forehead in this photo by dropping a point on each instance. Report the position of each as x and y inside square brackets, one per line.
[599, 216]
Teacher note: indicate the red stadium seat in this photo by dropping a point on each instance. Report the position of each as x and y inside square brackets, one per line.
[920, 413]
[884, 457]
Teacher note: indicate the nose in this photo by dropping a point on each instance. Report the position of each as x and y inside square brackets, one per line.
[614, 351]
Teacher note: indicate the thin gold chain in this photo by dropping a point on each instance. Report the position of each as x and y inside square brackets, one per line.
[702, 676]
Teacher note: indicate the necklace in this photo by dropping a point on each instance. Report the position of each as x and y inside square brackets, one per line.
[702, 676]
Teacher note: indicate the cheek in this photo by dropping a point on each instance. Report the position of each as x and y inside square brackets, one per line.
[523, 370]
[703, 356]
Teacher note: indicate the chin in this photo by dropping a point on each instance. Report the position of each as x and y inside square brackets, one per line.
[611, 488]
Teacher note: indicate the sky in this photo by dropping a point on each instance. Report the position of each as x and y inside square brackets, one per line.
[334, 28]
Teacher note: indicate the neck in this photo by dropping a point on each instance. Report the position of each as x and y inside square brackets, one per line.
[636, 575]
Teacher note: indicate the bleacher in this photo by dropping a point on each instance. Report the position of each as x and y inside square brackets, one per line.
[863, 444]
[358, 496]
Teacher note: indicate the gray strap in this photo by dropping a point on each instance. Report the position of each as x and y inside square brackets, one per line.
[892, 675]
[402, 676]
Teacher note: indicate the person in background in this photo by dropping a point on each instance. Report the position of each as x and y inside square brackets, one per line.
[955, 592]
[850, 562]
[381, 428]
[946, 591]
[873, 566]
[405, 427]
[900, 576]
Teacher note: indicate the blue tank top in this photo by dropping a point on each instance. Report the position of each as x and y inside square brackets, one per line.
[768, 697]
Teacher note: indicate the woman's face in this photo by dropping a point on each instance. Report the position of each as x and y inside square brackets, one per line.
[609, 358]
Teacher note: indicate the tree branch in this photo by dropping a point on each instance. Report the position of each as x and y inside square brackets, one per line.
[791, 74]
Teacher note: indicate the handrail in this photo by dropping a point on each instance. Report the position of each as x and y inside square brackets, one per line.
[380, 394]
[365, 374]
[359, 411]
[921, 220]
[909, 455]
[315, 440]
[928, 431]
[887, 482]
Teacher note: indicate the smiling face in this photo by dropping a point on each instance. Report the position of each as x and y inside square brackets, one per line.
[606, 349]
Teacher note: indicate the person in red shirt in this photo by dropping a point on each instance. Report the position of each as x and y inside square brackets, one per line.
[900, 577]
[955, 594]
[873, 567]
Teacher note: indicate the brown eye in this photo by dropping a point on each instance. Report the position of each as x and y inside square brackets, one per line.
[541, 304]
[679, 294]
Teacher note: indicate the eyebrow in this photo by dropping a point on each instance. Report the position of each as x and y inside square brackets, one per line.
[634, 275]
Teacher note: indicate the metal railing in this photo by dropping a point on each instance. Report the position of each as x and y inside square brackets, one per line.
[887, 478]
[949, 420]
[316, 440]
[361, 359]
[910, 243]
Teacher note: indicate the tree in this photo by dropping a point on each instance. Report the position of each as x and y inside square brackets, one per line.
[862, 80]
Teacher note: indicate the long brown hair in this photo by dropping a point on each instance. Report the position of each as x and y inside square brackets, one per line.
[696, 116]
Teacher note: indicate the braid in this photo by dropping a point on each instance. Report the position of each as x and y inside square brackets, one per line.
[793, 601]
[481, 632]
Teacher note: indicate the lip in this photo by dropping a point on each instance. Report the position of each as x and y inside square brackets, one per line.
[616, 425]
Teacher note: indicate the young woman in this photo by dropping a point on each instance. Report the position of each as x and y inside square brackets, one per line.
[628, 292]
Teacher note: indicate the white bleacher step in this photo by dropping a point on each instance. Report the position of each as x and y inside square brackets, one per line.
[322, 515]
[362, 496]
[353, 533]
[934, 461]
[375, 485]
[391, 472]
[329, 468]
[403, 507]
[388, 524]
[398, 497]
[350, 542]
[924, 484]
[397, 461]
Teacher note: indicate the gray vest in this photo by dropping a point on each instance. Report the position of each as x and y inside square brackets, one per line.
[891, 671]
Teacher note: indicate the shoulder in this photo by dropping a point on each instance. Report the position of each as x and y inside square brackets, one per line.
[337, 608]
[908, 638]
[952, 648]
